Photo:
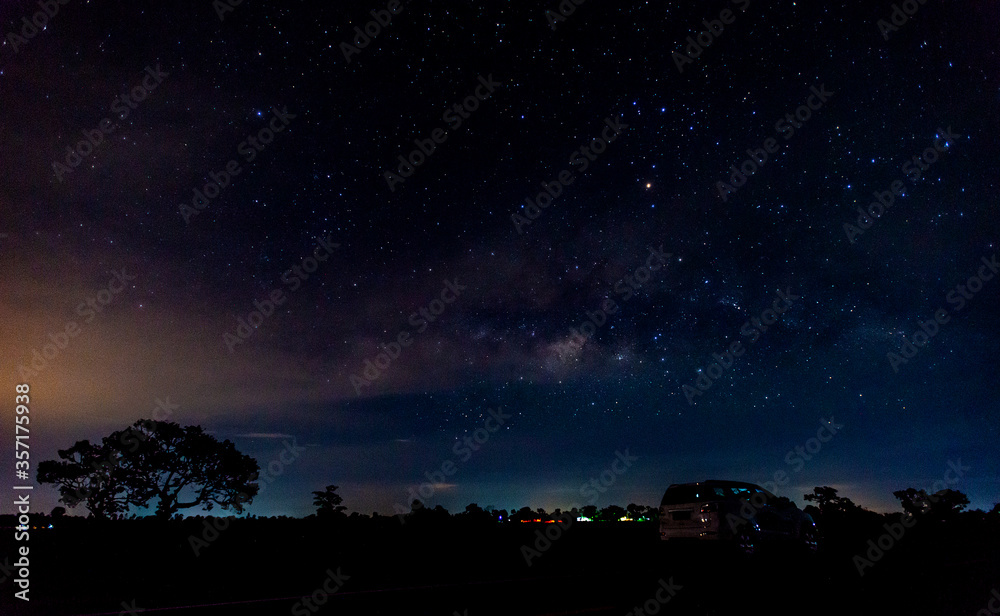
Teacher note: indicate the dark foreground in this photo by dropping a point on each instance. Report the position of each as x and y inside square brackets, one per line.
[265, 566]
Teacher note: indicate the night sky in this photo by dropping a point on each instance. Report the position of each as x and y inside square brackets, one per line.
[487, 302]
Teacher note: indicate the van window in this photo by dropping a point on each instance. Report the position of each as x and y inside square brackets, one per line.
[679, 495]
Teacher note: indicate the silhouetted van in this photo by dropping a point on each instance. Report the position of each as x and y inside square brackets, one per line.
[742, 513]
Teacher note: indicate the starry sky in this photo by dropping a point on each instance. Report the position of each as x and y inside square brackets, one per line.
[487, 302]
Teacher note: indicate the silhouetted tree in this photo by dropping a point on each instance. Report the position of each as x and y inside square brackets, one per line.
[183, 460]
[912, 500]
[522, 514]
[99, 476]
[474, 513]
[941, 506]
[635, 511]
[611, 513]
[994, 514]
[828, 502]
[589, 511]
[832, 508]
[328, 502]
[949, 504]
[153, 459]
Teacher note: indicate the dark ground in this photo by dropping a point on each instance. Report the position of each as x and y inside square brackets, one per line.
[83, 567]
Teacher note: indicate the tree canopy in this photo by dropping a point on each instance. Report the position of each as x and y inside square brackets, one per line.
[942, 505]
[328, 502]
[181, 467]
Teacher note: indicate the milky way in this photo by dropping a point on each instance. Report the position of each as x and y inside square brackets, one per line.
[699, 249]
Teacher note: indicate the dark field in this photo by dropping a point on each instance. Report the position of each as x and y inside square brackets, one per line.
[380, 566]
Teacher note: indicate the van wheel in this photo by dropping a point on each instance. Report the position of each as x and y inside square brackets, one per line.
[747, 539]
[809, 539]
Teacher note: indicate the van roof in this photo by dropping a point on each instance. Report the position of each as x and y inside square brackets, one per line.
[716, 482]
